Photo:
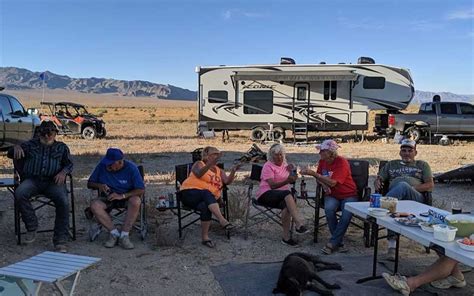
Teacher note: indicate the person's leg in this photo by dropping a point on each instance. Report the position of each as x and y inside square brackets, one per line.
[330, 207]
[58, 195]
[205, 225]
[98, 208]
[286, 223]
[293, 211]
[133, 210]
[442, 268]
[404, 191]
[23, 193]
[343, 224]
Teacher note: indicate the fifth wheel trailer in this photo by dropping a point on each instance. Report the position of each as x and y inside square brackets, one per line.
[300, 98]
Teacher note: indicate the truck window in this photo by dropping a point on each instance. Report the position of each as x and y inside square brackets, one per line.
[5, 107]
[427, 109]
[17, 108]
[217, 96]
[374, 82]
[258, 102]
[467, 109]
[449, 108]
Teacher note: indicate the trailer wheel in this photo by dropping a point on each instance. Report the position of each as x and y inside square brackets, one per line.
[278, 133]
[413, 133]
[258, 134]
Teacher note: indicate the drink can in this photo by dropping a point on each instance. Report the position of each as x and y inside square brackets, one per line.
[171, 200]
[375, 200]
[162, 202]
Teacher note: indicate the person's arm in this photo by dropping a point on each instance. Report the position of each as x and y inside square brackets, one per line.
[428, 183]
[230, 178]
[95, 184]
[126, 195]
[326, 180]
[66, 165]
[200, 168]
[381, 178]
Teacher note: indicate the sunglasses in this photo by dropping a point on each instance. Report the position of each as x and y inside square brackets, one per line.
[406, 150]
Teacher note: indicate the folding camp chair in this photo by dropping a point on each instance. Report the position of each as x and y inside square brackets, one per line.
[191, 216]
[263, 213]
[360, 175]
[118, 217]
[40, 201]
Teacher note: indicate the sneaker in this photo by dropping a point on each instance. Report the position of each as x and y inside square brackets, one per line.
[342, 249]
[61, 248]
[449, 282]
[111, 242]
[397, 282]
[390, 256]
[302, 229]
[291, 242]
[30, 237]
[125, 242]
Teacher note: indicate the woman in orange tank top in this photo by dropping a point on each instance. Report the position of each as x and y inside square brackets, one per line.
[202, 189]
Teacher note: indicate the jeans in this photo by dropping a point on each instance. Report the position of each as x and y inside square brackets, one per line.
[337, 228]
[56, 193]
[199, 200]
[404, 191]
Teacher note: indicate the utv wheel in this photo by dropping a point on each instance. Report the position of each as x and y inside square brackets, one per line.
[89, 133]
[413, 133]
[103, 134]
[278, 134]
[258, 134]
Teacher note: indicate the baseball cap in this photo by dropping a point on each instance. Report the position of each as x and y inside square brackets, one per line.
[328, 145]
[112, 155]
[47, 125]
[407, 143]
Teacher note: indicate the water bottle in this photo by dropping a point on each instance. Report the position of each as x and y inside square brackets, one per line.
[171, 200]
[303, 192]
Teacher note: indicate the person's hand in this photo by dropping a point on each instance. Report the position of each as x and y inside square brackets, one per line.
[115, 196]
[290, 167]
[291, 179]
[18, 152]
[236, 167]
[60, 178]
[103, 188]
[378, 184]
[307, 171]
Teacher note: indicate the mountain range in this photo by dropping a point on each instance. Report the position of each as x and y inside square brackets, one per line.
[14, 78]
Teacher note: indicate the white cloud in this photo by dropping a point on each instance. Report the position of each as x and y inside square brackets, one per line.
[227, 14]
[425, 25]
[233, 13]
[461, 15]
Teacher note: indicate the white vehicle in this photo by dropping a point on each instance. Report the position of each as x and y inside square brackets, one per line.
[300, 98]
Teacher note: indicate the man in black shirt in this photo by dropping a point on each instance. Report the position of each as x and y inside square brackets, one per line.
[46, 162]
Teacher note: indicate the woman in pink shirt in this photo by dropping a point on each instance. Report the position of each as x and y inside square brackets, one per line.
[274, 191]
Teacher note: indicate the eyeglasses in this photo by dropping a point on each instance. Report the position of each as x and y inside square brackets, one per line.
[406, 150]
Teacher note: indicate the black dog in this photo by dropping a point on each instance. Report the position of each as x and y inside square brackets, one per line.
[298, 273]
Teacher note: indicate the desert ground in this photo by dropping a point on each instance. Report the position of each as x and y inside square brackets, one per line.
[159, 134]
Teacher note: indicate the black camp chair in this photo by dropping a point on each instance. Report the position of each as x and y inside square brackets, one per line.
[118, 217]
[188, 216]
[40, 201]
[360, 175]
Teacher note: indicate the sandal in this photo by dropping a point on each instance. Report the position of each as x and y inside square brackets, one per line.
[208, 243]
[328, 249]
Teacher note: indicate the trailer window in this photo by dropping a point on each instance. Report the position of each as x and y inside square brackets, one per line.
[330, 90]
[467, 109]
[301, 93]
[374, 82]
[258, 102]
[448, 108]
[217, 96]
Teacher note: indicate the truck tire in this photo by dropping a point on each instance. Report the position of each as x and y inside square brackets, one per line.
[278, 134]
[258, 134]
[89, 133]
[413, 133]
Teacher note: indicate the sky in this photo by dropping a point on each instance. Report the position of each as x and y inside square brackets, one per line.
[163, 41]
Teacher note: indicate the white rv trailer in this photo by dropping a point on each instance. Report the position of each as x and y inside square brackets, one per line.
[319, 97]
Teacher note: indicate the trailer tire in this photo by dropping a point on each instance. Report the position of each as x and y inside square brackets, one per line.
[278, 134]
[258, 134]
[413, 133]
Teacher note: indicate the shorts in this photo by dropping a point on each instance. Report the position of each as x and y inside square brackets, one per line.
[274, 199]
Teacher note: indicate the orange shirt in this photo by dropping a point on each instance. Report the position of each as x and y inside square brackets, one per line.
[210, 181]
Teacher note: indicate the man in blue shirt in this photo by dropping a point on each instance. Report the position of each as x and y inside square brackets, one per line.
[120, 185]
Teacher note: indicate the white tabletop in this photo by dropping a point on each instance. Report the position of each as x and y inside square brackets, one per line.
[452, 249]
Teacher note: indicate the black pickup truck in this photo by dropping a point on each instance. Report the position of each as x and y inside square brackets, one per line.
[453, 119]
[16, 125]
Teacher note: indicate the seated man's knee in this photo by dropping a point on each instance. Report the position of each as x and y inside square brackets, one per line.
[134, 201]
[97, 206]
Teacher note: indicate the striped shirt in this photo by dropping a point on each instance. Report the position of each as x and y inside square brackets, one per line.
[45, 161]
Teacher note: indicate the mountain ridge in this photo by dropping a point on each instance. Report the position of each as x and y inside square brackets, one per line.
[15, 78]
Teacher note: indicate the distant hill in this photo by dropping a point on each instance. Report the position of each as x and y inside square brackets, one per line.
[20, 79]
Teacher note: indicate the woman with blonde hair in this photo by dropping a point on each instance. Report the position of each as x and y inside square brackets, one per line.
[274, 191]
[203, 188]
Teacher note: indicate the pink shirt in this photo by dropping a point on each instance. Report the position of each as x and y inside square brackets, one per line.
[272, 171]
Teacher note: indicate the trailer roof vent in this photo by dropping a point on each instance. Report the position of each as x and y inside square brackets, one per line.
[436, 99]
[322, 63]
[341, 63]
[365, 60]
[287, 61]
